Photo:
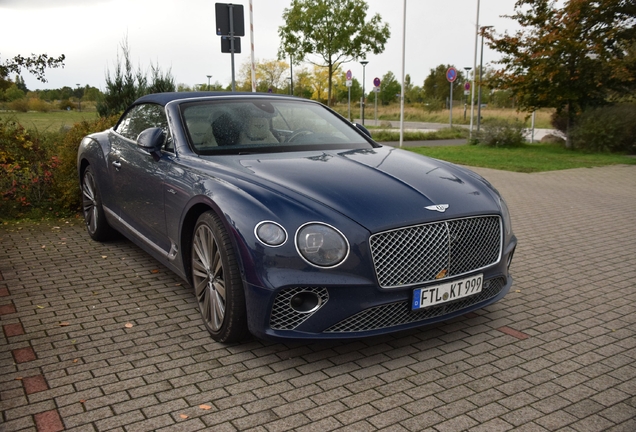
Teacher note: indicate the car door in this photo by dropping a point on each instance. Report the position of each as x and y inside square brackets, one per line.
[138, 176]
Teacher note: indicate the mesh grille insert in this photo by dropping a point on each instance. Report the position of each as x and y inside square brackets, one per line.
[417, 254]
[395, 314]
[284, 317]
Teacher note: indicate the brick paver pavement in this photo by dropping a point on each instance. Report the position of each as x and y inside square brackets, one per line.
[558, 353]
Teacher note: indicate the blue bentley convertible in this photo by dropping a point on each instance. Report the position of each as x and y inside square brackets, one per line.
[291, 222]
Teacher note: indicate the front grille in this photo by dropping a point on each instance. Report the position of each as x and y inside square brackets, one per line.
[422, 253]
[394, 314]
[284, 317]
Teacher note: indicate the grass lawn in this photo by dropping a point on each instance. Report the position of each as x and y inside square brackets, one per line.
[527, 158]
[51, 121]
[417, 112]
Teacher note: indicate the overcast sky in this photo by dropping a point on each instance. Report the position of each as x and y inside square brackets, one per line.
[180, 35]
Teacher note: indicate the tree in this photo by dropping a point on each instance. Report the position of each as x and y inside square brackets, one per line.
[336, 31]
[270, 74]
[389, 88]
[91, 93]
[320, 84]
[412, 93]
[342, 91]
[302, 83]
[570, 58]
[437, 87]
[35, 65]
[126, 86]
[161, 82]
[14, 93]
[19, 81]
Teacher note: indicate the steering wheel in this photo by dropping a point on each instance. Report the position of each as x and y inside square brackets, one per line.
[297, 133]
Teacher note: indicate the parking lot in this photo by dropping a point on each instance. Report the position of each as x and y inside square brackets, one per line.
[100, 337]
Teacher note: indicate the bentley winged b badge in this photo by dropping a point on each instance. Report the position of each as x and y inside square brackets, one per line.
[438, 207]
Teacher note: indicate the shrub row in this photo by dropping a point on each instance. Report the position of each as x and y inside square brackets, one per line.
[607, 129]
[34, 104]
[38, 175]
[500, 133]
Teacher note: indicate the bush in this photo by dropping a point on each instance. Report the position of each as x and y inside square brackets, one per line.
[500, 133]
[20, 105]
[38, 173]
[38, 105]
[66, 181]
[559, 121]
[66, 105]
[607, 129]
[26, 170]
[433, 105]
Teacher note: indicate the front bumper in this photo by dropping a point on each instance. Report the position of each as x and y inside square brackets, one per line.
[348, 311]
[354, 311]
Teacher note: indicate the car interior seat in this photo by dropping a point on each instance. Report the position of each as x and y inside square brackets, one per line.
[256, 131]
[226, 130]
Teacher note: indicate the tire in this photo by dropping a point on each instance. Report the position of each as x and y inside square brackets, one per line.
[96, 224]
[217, 280]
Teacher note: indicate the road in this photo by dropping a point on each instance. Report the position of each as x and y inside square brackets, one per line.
[100, 337]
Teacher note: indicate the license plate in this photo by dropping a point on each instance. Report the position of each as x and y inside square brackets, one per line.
[449, 291]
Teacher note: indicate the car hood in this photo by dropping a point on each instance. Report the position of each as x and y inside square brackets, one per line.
[379, 188]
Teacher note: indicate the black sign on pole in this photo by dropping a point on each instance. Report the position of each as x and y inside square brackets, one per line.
[223, 19]
[230, 25]
[226, 45]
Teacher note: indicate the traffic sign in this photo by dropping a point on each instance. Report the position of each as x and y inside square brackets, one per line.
[376, 82]
[223, 24]
[467, 86]
[349, 75]
[226, 45]
[451, 74]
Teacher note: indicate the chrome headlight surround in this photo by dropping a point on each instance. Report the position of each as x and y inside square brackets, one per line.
[270, 233]
[321, 245]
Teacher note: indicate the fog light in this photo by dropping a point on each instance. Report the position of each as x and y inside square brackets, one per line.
[305, 302]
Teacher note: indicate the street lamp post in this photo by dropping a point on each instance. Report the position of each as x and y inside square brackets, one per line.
[291, 74]
[79, 98]
[364, 64]
[467, 69]
[481, 66]
[209, 76]
[472, 90]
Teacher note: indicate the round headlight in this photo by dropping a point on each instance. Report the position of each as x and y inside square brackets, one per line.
[271, 234]
[321, 245]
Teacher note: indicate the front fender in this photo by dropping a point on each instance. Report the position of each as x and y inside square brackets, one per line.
[93, 150]
[242, 205]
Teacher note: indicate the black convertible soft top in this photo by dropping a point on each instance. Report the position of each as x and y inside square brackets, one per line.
[164, 98]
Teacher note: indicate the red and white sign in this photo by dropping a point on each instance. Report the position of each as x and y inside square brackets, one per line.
[451, 74]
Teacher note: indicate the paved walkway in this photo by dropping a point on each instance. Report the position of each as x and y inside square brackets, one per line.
[99, 337]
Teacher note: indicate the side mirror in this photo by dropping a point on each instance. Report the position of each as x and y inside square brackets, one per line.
[363, 130]
[151, 139]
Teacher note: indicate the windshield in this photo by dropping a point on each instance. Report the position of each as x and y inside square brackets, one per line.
[266, 125]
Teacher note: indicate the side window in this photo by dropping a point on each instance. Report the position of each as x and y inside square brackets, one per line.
[142, 117]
